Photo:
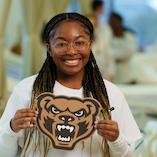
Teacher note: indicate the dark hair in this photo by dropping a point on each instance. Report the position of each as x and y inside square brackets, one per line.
[117, 16]
[66, 16]
[96, 4]
[120, 18]
[93, 84]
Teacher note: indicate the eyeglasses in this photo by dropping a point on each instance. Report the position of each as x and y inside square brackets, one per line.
[80, 45]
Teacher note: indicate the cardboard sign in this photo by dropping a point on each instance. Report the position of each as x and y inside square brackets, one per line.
[66, 120]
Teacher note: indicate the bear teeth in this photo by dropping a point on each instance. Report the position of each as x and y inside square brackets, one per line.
[66, 139]
[67, 127]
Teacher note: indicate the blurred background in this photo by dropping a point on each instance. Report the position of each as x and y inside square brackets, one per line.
[125, 47]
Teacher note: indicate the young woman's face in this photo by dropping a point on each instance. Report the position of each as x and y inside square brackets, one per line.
[70, 47]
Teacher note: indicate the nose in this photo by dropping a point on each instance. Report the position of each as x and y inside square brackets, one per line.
[71, 49]
[66, 118]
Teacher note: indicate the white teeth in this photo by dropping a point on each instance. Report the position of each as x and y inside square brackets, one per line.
[59, 138]
[66, 139]
[70, 128]
[72, 62]
[63, 126]
[67, 127]
[59, 127]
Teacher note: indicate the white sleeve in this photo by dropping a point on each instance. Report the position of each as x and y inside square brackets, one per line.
[120, 148]
[129, 131]
[9, 140]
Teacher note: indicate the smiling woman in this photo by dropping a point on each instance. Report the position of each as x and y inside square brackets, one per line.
[70, 50]
[70, 71]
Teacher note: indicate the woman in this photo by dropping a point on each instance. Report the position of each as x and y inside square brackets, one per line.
[128, 68]
[101, 45]
[70, 69]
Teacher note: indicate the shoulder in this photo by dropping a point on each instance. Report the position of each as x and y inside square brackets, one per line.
[26, 84]
[112, 89]
[22, 92]
[19, 98]
[115, 95]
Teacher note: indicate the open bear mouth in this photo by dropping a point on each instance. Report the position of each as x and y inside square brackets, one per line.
[64, 133]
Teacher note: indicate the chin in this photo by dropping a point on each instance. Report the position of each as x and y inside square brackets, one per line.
[72, 72]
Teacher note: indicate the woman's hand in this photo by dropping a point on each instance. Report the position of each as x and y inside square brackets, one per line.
[24, 118]
[108, 129]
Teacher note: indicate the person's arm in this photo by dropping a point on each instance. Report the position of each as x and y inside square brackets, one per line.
[8, 138]
[13, 120]
[123, 132]
[8, 141]
[120, 148]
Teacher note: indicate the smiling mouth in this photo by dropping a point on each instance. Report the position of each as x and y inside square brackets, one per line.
[71, 62]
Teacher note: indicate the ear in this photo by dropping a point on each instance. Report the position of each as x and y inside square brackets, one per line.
[48, 48]
[43, 99]
[93, 105]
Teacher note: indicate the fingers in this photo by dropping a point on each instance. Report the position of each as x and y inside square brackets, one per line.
[107, 129]
[109, 135]
[25, 110]
[16, 126]
[23, 115]
[106, 125]
[24, 118]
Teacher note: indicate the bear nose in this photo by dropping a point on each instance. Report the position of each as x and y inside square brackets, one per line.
[66, 118]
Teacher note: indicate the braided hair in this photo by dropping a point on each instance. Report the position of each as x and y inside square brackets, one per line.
[93, 84]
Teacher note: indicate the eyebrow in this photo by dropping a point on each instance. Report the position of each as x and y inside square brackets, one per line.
[62, 38]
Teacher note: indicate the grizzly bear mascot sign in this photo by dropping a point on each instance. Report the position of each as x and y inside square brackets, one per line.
[66, 120]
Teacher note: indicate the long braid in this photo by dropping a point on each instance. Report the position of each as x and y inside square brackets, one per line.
[99, 92]
[46, 76]
[96, 82]
[43, 83]
[101, 84]
[92, 82]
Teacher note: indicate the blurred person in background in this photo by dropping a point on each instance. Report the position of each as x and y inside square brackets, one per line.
[128, 68]
[101, 44]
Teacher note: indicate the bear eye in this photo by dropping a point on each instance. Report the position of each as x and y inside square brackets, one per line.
[79, 113]
[55, 110]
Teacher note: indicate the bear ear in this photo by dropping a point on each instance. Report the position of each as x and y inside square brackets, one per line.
[93, 105]
[43, 98]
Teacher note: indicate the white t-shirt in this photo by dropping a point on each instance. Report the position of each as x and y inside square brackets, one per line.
[21, 98]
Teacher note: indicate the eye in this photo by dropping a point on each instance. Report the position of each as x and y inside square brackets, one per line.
[61, 44]
[55, 110]
[79, 113]
[80, 43]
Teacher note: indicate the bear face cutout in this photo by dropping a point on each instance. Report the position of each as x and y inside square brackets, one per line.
[66, 120]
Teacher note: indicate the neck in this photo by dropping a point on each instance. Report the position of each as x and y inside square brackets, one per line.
[71, 81]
